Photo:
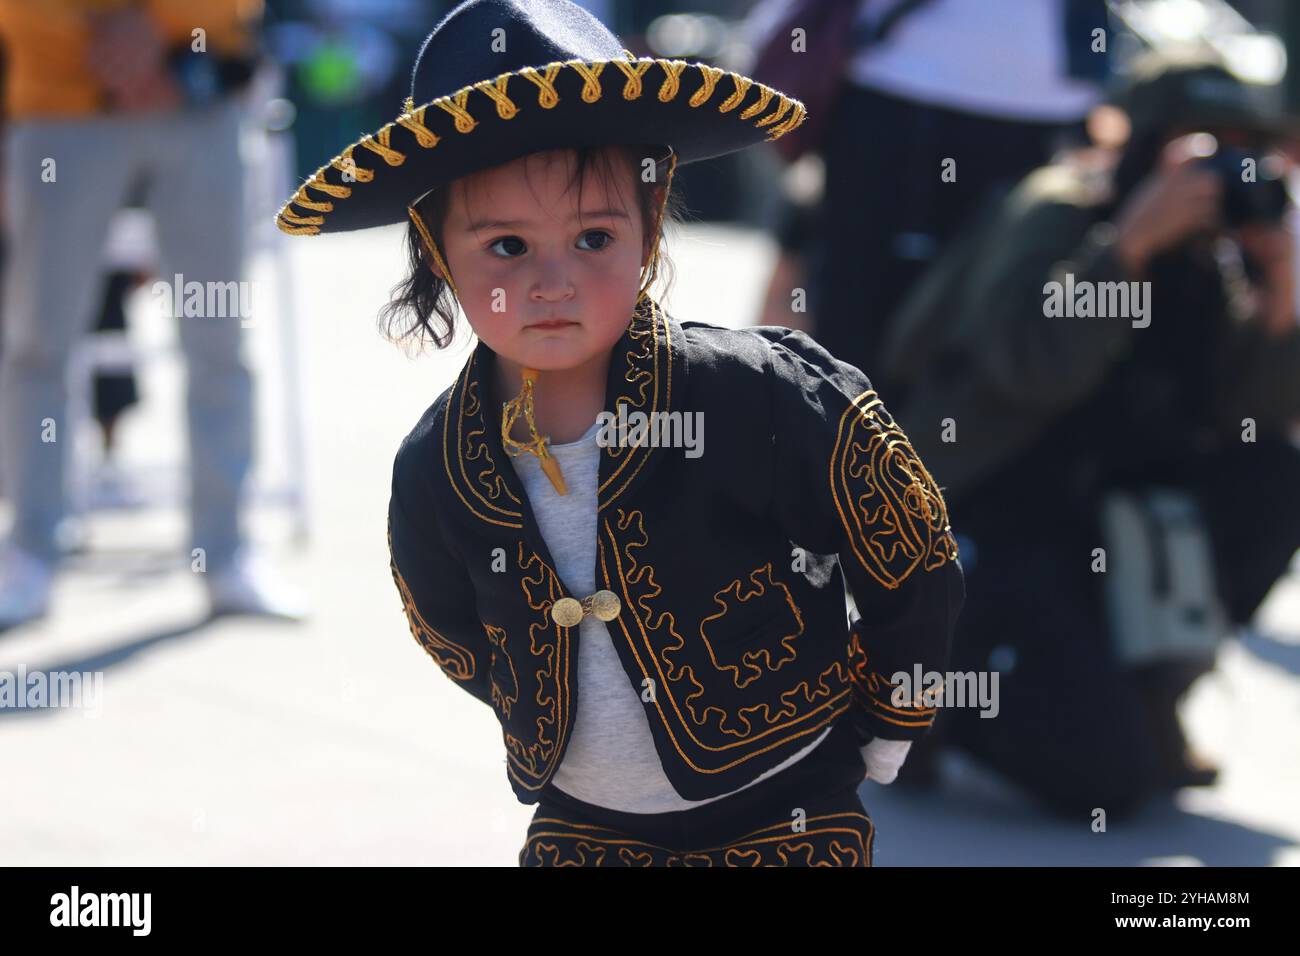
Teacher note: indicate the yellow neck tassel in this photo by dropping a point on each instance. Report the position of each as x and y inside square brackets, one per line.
[537, 445]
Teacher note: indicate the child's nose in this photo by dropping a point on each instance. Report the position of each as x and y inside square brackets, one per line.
[552, 284]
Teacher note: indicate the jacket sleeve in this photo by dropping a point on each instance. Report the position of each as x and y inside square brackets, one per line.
[847, 481]
[1001, 367]
[1027, 357]
[436, 592]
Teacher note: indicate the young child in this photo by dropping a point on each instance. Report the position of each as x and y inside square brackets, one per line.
[625, 534]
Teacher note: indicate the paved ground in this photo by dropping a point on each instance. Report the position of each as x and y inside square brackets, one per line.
[338, 741]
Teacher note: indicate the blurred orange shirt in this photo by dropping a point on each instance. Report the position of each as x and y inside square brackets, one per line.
[46, 40]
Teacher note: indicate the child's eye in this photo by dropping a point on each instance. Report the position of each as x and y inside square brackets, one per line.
[598, 232]
[515, 239]
[520, 247]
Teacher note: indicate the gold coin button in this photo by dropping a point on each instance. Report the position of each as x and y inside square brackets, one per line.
[567, 612]
[605, 605]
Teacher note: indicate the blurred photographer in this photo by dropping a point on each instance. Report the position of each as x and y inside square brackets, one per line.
[1102, 376]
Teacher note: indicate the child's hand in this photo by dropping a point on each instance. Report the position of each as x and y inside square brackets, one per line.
[884, 757]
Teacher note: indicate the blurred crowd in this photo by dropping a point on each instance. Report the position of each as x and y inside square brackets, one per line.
[1056, 235]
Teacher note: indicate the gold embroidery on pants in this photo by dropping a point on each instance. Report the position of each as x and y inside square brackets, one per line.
[834, 839]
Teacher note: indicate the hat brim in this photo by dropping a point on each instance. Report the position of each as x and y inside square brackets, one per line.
[701, 111]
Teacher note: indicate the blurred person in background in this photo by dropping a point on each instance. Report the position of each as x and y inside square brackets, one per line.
[113, 392]
[1125, 479]
[929, 106]
[99, 94]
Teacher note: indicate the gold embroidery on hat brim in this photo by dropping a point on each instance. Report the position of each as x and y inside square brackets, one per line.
[786, 115]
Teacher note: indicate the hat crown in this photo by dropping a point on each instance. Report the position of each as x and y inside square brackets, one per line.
[500, 79]
[485, 38]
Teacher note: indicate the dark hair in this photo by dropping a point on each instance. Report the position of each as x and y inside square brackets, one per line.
[423, 308]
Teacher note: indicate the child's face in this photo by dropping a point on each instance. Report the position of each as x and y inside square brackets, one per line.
[519, 256]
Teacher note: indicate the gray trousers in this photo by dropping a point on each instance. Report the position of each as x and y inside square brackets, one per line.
[55, 233]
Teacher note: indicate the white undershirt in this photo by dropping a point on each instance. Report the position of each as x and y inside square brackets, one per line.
[611, 759]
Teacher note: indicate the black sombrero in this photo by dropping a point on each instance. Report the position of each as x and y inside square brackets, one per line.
[561, 79]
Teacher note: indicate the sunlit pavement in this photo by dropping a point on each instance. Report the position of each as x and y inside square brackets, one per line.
[337, 740]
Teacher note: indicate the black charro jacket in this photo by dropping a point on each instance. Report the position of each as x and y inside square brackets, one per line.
[727, 565]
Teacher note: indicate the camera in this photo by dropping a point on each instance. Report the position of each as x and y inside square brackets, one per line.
[1261, 198]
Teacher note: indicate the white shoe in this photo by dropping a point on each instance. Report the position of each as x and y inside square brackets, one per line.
[25, 583]
[250, 586]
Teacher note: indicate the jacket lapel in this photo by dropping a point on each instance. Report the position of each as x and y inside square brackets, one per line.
[647, 372]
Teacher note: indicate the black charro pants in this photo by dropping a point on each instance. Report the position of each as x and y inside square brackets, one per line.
[807, 815]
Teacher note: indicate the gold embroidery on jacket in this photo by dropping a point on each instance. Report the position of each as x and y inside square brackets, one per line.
[473, 474]
[890, 507]
[873, 691]
[502, 699]
[734, 594]
[456, 661]
[463, 404]
[548, 647]
[489, 484]
[797, 712]
[651, 375]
